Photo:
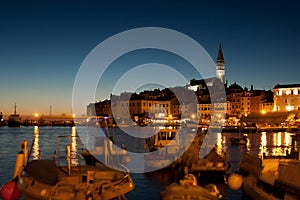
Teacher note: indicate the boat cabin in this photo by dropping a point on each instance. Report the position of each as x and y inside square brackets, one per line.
[164, 136]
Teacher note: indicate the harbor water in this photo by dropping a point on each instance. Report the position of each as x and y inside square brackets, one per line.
[147, 186]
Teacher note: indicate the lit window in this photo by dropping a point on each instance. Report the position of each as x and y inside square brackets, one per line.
[296, 92]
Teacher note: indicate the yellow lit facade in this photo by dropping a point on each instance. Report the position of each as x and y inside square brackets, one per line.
[286, 97]
[266, 107]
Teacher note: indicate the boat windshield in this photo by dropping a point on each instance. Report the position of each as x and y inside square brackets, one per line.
[167, 135]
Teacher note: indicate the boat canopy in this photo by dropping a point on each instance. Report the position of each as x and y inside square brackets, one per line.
[44, 171]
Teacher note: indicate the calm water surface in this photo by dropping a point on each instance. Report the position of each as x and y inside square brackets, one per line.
[147, 186]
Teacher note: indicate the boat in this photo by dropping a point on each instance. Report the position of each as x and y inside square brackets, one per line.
[14, 120]
[106, 152]
[269, 177]
[67, 176]
[239, 140]
[2, 121]
[213, 165]
[162, 138]
[164, 148]
[187, 188]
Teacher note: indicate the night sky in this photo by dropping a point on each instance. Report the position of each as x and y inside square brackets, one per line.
[43, 43]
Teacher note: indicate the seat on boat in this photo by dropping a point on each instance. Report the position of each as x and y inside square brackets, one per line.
[44, 171]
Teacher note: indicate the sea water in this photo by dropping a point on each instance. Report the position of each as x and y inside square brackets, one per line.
[147, 186]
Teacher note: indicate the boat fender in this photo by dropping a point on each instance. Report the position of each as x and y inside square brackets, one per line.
[10, 191]
[19, 164]
[235, 181]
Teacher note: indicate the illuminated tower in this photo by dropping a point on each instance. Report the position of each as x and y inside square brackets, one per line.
[220, 65]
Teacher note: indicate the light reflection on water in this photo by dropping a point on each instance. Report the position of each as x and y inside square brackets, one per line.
[35, 147]
[74, 160]
[44, 144]
[275, 144]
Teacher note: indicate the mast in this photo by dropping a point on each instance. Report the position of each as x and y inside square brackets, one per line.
[15, 111]
[50, 112]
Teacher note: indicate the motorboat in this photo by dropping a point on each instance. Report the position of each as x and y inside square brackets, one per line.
[66, 176]
[212, 165]
[164, 148]
[239, 141]
[269, 178]
[187, 188]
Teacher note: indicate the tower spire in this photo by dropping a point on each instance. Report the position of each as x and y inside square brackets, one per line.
[220, 57]
[220, 65]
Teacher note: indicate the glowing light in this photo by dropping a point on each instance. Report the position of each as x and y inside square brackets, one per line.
[36, 114]
[289, 108]
[73, 115]
[263, 112]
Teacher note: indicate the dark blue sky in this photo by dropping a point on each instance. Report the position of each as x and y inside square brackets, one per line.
[43, 43]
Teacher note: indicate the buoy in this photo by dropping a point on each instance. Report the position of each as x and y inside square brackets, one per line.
[10, 191]
[235, 181]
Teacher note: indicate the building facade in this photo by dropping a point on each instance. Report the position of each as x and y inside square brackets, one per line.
[286, 97]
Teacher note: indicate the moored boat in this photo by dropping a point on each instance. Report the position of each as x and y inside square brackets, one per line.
[213, 165]
[66, 175]
[239, 141]
[164, 149]
[14, 120]
[268, 178]
[2, 121]
[189, 189]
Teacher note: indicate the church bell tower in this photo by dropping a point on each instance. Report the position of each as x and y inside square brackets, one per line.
[220, 65]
